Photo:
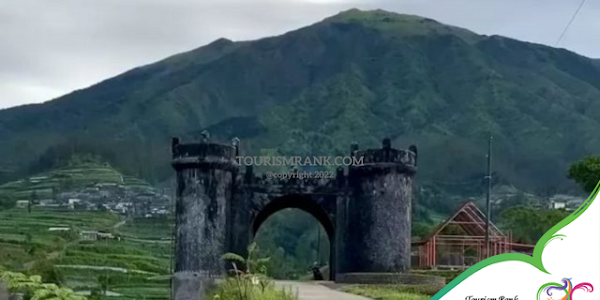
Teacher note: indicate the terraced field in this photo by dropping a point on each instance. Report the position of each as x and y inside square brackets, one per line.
[75, 176]
[135, 263]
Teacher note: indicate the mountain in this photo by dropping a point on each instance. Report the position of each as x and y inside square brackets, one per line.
[356, 76]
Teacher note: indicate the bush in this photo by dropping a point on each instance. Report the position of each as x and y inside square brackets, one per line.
[32, 287]
[245, 289]
[251, 284]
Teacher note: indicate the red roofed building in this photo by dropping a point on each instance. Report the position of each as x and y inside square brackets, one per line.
[459, 242]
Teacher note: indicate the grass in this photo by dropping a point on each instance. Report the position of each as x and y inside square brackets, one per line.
[449, 275]
[230, 289]
[389, 292]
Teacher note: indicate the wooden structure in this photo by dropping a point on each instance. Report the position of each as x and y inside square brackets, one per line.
[459, 242]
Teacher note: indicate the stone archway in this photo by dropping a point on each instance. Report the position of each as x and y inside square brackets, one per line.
[365, 210]
[304, 203]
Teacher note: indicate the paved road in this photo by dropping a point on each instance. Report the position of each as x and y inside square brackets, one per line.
[315, 291]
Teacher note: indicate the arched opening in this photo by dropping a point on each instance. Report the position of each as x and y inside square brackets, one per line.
[286, 230]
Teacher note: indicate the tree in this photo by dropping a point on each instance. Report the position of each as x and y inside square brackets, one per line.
[529, 224]
[586, 172]
[421, 229]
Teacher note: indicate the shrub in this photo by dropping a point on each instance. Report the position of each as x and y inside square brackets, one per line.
[32, 287]
[253, 284]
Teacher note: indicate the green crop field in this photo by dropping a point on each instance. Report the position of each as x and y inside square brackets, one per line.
[49, 241]
[132, 263]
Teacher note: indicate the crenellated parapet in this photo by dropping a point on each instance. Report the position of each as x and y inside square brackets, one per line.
[374, 156]
[203, 154]
[386, 157]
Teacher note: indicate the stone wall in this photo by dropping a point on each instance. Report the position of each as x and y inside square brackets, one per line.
[201, 219]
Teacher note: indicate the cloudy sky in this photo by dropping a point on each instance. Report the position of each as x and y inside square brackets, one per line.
[51, 47]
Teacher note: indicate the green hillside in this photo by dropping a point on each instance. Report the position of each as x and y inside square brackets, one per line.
[357, 76]
[131, 263]
[77, 175]
[60, 243]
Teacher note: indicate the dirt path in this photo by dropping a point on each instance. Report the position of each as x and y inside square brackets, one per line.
[315, 291]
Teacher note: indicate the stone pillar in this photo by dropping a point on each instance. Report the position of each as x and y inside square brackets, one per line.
[3, 291]
[206, 175]
[376, 215]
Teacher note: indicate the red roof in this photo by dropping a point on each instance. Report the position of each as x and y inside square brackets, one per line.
[470, 219]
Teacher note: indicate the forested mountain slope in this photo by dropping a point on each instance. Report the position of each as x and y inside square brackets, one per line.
[356, 76]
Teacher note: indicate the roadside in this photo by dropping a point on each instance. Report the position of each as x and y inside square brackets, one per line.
[312, 290]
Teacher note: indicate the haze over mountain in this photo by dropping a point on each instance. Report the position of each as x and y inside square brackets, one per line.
[357, 76]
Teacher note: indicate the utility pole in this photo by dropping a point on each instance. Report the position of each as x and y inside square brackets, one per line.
[489, 205]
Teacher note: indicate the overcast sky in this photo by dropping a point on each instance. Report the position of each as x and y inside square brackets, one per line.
[51, 47]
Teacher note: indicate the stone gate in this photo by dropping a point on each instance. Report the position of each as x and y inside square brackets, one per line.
[365, 210]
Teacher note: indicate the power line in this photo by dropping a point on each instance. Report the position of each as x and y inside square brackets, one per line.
[570, 22]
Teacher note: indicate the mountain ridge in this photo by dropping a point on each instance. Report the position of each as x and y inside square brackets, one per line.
[355, 76]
